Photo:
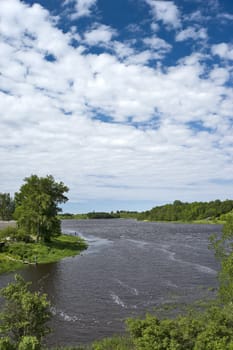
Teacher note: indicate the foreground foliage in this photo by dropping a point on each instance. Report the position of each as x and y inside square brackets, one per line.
[23, 321]
[209, 330]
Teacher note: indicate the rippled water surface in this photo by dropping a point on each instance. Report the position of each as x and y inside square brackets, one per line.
[129, 268]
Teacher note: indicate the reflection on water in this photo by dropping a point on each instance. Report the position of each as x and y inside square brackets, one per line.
[129, 268]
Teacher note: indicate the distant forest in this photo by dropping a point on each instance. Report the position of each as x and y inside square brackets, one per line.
[177, 211]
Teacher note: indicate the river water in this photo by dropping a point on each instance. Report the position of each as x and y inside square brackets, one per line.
[129, 268]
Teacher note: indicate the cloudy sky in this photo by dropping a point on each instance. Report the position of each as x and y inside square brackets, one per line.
[128, 102]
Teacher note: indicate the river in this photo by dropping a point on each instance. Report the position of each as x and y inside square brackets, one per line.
[129, 268]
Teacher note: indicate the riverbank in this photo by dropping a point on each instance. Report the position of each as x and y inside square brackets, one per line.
[19, 254]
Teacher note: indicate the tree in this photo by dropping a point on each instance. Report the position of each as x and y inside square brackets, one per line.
[6, 206]
[24, 317]
[37, 206]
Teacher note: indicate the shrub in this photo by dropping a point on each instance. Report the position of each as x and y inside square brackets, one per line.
[15, 234]
[9, 231]
[5, 344]
[20, 249]
[29, 343]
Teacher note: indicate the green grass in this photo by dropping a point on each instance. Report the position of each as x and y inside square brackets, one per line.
[7, 265]
[59, 248]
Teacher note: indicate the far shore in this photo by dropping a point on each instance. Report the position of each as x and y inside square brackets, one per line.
[4, 224]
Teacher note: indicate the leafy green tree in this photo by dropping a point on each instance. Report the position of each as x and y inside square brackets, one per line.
[37, 206]
[24, 317]
[7, 206]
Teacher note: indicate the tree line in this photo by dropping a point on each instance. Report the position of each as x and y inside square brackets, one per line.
[177, 211]
[182, 211]
[42, 211]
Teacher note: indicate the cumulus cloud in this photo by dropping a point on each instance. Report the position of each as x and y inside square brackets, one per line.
[225, 16]
[99, 34]
[82, 7]
[165, 11]
[223, 50]
[192, 33]
[107, 124]
[157, 44]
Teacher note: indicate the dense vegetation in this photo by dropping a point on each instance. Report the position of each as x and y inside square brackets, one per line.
[179, 211]
[7, 206]
[23, 321]
[36, 206]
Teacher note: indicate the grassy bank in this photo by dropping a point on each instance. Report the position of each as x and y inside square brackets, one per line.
[19, 254]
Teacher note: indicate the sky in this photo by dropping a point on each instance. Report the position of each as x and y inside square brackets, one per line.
[128, 102]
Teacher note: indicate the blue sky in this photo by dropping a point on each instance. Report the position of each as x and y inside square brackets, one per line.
[128, 102]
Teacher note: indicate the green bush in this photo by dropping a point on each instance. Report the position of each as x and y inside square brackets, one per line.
[20, 250]
[208, 330]
[5, 344]
[29, 343]
[15, 234]
[9, 231]
[22, 236]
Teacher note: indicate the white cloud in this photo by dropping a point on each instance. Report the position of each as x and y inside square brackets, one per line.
[50, 110]
[157, 44]
[100, 34]
[225, 16]
[165, 11]
[223, 50]
[219, 75]
[192, 33]
[122, 50]
[82, 7]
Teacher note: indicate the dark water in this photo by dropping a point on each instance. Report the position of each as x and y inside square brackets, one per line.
[129, 268]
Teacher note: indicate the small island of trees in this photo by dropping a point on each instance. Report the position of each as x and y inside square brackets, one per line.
[36, 237]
